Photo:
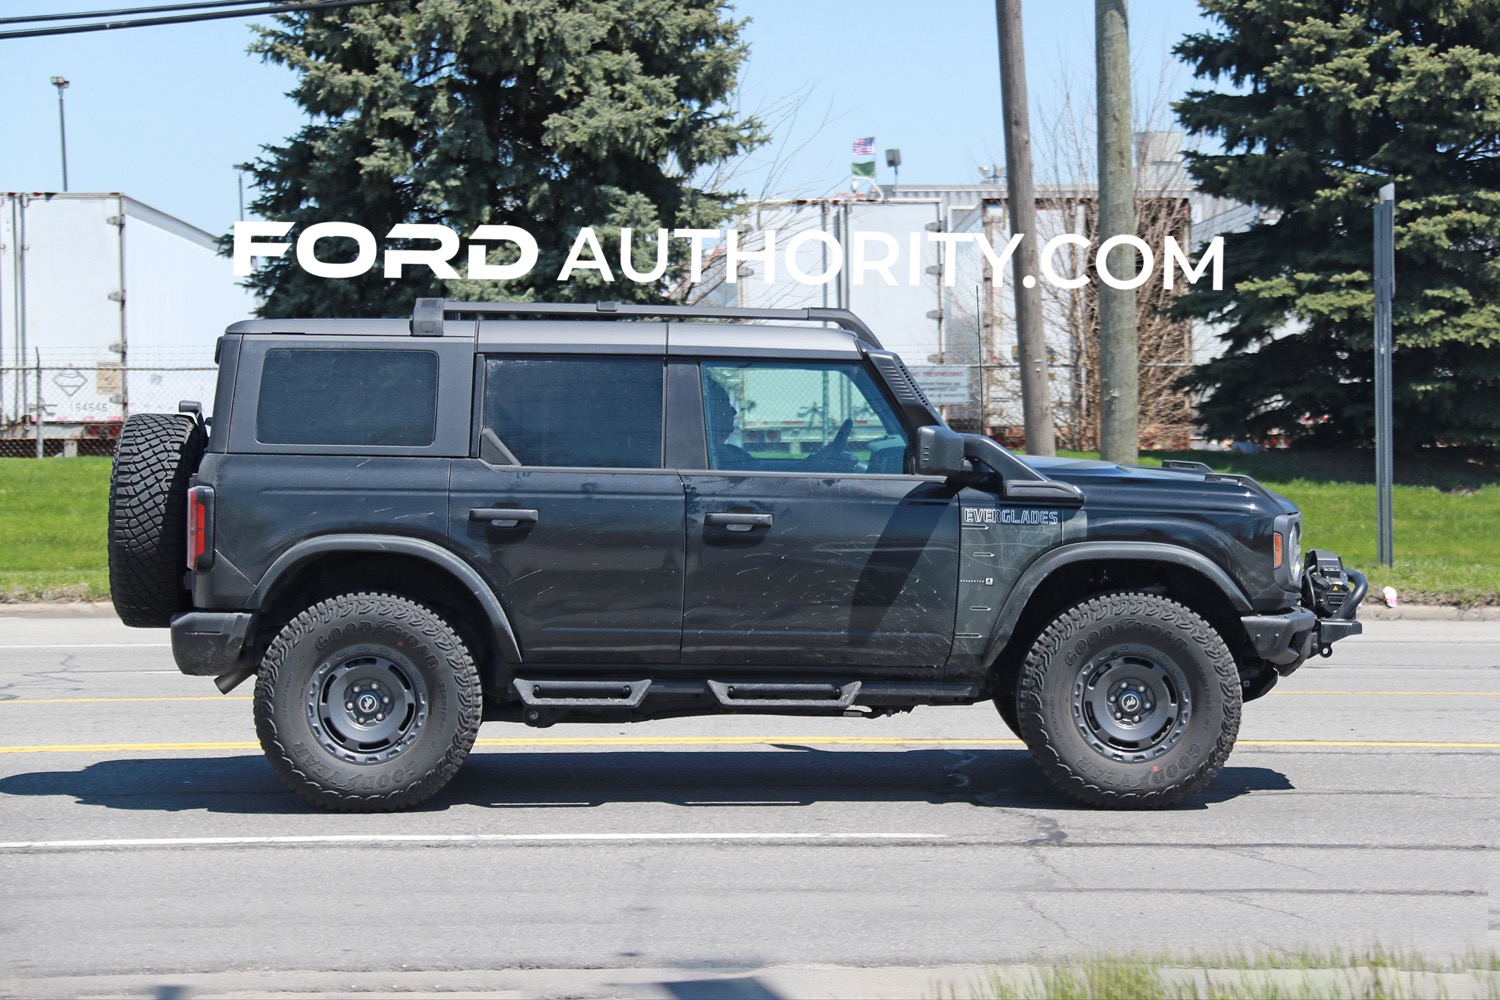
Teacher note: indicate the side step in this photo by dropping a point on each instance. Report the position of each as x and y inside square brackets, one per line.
[784, 695]
[581, 694]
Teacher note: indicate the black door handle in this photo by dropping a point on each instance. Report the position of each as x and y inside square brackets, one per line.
[737, 522]
[503, 517]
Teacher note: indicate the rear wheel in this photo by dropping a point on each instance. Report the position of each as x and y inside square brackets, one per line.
[1129, 701]
[367, 703]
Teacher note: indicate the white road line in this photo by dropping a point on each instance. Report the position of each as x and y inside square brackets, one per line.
[447, 838]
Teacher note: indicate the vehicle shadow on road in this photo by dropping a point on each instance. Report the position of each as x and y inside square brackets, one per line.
[797, 776]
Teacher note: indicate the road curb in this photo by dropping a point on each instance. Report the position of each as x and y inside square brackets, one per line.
[57, 609]
[1428, 613]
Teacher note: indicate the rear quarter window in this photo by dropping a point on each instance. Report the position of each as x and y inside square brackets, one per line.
[348, 397]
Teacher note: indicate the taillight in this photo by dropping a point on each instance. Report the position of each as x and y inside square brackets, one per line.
[200, 527]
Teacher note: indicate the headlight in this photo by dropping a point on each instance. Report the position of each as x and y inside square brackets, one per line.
[1295, 567]
[1286, 550]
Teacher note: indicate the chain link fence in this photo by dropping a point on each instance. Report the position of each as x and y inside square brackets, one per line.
[78, 409]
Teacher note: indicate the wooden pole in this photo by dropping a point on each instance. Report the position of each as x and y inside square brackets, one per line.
[1036, 396]
[1119, 348]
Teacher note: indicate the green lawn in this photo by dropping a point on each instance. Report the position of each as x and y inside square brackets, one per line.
[1447, 520]
[53, 516]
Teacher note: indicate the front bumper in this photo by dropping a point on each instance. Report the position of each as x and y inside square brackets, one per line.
[1287, 639]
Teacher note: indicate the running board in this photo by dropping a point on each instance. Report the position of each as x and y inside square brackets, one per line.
[785, 695]
[581, 694]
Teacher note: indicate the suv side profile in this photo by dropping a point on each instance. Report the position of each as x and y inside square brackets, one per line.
[537, 513]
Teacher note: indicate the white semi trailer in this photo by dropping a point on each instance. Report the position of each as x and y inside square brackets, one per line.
[107, 307]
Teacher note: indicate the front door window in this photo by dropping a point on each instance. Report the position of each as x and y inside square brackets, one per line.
[799, 417]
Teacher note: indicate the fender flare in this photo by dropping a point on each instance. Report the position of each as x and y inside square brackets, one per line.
[304, 551]
[1054, 559]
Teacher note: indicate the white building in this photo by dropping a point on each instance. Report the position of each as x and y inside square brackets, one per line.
[107, 307]
[949, 314]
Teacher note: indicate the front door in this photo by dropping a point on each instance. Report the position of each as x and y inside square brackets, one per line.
[808, 543]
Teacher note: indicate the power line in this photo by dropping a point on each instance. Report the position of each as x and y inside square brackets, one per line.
[144, 22]
[125, 12]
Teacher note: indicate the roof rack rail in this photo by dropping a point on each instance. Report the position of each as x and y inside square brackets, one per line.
[428, 314]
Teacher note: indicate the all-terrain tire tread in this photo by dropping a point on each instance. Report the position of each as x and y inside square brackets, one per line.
[355, 607]
[155, 457]
[1047, 650]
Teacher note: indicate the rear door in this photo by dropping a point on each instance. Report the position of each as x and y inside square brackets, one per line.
[566, 507]
[808, 543]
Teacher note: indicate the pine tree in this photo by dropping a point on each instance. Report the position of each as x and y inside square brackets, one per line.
[1333, 99]
[550, 115]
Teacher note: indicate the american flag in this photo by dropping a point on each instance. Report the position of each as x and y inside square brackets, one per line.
[865, 146]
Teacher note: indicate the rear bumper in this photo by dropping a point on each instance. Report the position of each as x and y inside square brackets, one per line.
[209, 643]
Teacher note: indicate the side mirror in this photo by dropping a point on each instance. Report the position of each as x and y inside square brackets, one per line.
[940, 451]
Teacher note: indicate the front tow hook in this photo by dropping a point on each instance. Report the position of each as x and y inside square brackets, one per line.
[1335, 623]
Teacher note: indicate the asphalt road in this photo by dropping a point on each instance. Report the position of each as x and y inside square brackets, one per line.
[146, 848]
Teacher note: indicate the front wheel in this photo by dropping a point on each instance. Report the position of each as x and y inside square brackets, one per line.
[367, 703]
[1129, 701]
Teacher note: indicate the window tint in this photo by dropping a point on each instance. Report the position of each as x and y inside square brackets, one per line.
[799, 417]
[577, 412]
[364, 397]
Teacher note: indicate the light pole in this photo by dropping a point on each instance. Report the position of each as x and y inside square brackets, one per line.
[61, 83]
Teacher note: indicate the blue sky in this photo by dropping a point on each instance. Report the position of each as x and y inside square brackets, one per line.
[164, 113]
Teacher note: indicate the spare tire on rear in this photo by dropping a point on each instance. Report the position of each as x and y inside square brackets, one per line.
[156, 456]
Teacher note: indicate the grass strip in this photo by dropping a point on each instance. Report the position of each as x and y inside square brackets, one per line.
[54, 514]
[1371, 974]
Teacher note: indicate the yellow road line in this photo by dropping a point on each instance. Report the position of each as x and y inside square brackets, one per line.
[70, 701]
[642, 741]
[123, 747]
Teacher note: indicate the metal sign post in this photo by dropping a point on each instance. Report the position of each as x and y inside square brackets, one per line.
[1385, 287]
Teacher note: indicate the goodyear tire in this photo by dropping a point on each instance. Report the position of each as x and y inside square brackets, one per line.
[367, 703]
[1129, 701]
[1005, 704]
[155, 457]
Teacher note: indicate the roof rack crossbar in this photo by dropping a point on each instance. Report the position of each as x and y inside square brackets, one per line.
[428, 314]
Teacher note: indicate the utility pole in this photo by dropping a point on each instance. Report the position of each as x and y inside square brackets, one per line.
[1119, 350]
[1036, 399]
[61, 84]
[1385, 288]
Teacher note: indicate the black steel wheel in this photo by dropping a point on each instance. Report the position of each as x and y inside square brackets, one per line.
[367, 703]
[1129, 701]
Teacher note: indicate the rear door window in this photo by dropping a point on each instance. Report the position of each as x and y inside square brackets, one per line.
[576, 412]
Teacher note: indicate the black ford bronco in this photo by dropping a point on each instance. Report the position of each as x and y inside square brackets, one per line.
[607, 513]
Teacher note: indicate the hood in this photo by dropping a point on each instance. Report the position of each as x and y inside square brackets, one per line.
[1156, 486]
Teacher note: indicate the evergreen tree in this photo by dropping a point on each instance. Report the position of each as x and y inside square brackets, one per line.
[550, 115]
[1333, 99]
